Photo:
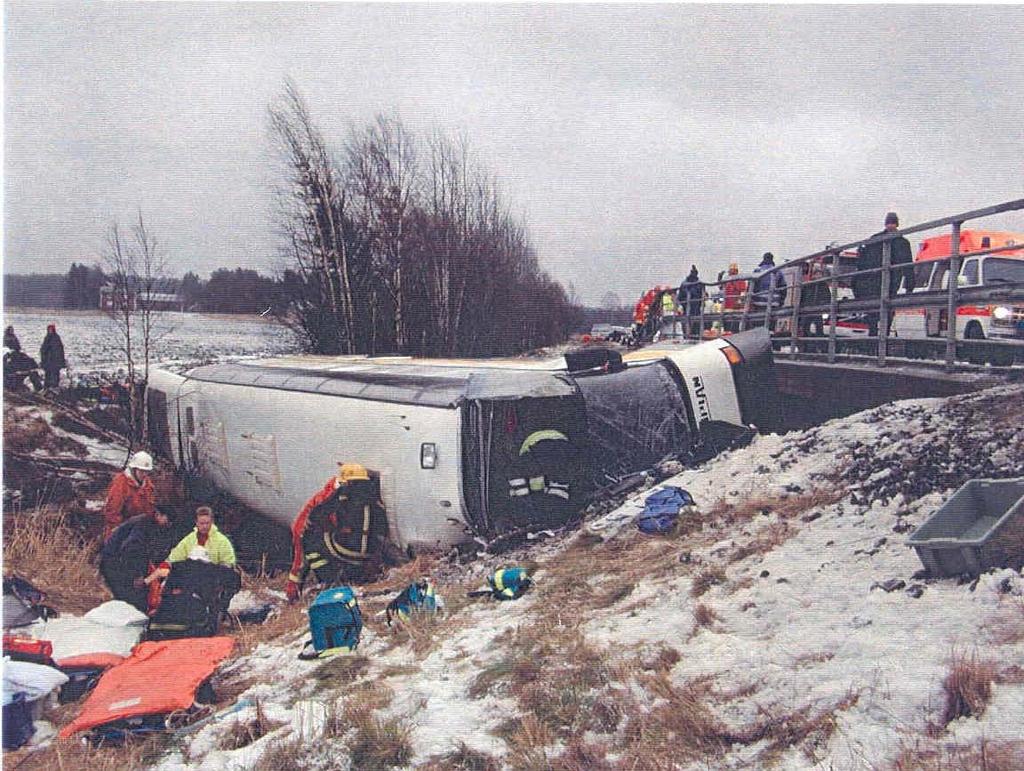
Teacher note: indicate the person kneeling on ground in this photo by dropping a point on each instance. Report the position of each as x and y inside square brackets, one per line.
[192, 598]
[205, 534]
[131, 493]
[341, 532]
[128, 556]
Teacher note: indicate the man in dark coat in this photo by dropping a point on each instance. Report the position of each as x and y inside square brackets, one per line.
[869, 256]
[768, 283]
[132, 553]
[51, 355]
[18, 365]
[691, 294]
[11, 340]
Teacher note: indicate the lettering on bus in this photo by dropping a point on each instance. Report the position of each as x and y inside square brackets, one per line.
[700, 393]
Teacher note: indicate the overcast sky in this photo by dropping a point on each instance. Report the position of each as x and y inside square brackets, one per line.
[634, 140]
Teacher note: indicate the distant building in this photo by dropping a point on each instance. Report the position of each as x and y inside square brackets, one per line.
[113, 300]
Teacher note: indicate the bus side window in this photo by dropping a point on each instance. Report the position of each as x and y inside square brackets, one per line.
[969, 273]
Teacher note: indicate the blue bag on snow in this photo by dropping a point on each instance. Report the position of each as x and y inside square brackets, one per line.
[662, 509]
[418, 595]
[335, 623]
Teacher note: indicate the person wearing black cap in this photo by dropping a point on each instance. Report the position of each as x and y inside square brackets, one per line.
[764, 284]
[869, 256]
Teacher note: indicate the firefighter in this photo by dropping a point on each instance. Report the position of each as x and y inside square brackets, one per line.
[340, 532]
[540, 486]
[130, 494]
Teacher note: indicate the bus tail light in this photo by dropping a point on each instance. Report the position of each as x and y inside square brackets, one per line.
[732, 354]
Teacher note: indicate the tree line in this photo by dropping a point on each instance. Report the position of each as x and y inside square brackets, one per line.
[397, 242]
[227, 290]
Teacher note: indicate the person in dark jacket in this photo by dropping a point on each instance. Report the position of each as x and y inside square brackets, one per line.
[869, 256]
[691, 295]
[18, 365]
[51, 355]
[767, 283]
[132, 553]
[11, 340]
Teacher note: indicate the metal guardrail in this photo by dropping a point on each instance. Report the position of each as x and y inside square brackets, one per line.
[765, 307]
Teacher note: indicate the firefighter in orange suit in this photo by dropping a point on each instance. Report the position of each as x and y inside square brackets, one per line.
[340, 532]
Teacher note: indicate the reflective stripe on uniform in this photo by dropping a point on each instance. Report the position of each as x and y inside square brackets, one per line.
[499, 584]
[318, 564]
[540, 436]
[557, 488]
[518, 487]
[536, 484]
[293, 577]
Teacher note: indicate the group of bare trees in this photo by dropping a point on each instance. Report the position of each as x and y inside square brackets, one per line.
[397, 243]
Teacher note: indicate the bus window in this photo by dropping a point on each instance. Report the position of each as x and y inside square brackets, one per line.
[1003, 271]
[969, 273]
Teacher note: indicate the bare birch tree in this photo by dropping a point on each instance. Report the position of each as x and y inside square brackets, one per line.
[137, 266]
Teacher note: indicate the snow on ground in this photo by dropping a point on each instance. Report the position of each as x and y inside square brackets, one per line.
[798, 622]
[91, 342]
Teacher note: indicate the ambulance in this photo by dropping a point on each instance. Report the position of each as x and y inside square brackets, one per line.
[997, 321]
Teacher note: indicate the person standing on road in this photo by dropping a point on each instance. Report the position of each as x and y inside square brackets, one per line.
[51, 356]
[869, 257]
[130, 494]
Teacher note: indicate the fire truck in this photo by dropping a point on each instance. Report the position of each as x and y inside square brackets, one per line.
[977, 268]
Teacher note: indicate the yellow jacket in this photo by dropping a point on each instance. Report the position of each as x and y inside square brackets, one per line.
[217, 545]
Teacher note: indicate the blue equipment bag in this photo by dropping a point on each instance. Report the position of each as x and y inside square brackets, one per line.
[509, 583]
[335, 623]
[661, 510]
[416, 596]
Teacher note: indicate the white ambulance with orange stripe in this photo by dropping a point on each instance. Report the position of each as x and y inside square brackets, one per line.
[978, 267]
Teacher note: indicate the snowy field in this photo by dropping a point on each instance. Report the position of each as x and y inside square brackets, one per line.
[92, 343]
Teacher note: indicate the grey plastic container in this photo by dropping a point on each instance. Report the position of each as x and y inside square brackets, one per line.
[980, 527]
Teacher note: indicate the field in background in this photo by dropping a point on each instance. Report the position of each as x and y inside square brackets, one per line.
[92, 344]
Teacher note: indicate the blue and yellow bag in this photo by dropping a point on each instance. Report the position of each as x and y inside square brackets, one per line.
[509, 583]
[335, 623]
[417, 596]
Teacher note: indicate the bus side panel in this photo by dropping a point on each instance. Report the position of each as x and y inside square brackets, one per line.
[273, 449]
[709, 382]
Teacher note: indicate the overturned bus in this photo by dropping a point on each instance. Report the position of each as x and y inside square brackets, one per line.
[459, 448]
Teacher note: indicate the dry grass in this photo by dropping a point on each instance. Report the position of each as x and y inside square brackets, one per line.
[767, 539]
[706, 578]
[788, 507]
[340, 671]
[242, 733]
[73, 755]
[24, 433]
[982, 755]
[704, 616]
[378, 743]
[462, 758]
[283, 756]
[682, 726]
[41, 546]
[968, 689]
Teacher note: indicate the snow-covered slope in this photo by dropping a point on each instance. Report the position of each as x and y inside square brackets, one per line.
[786, 626]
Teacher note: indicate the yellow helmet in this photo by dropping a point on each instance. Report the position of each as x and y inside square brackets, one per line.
[349, 472]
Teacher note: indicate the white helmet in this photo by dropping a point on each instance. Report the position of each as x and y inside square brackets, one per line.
[141, 460]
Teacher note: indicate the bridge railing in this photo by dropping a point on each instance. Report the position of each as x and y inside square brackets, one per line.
[806, 313]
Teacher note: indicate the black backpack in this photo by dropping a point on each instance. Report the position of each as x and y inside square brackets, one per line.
[194, 596]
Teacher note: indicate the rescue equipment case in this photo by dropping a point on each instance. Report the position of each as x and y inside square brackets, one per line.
[335, 621]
